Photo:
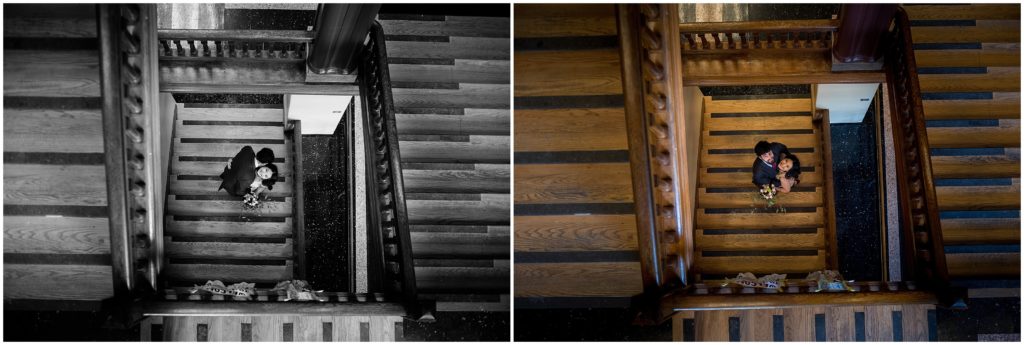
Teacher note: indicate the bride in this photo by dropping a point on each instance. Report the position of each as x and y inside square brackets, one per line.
[249, 172]
[789, 172]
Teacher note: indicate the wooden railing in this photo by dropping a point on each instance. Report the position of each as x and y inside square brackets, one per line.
[923, 252]
[131, 131]
[822, 121]
[390, 265]
[298, 207]
[652, 80]
[796, 294]
[760, 36]
[269, 45]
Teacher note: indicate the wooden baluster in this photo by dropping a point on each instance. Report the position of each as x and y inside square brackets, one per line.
[231, 48]
[689, 39]
[728, 35]
[809, 40]
[167, 48]
[743, 40]
[245, 49]
[181, 48]
[757, 40]
[771, 40]
[703, 41]
[192, 48]
[220, 48]
[718, 40]
[206, 48]
[259, 50]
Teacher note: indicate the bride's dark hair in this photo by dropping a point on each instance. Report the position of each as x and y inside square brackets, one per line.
[794, 172]
[273, 176]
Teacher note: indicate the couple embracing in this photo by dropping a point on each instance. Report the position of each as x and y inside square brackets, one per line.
[249, 172]
[776, 166]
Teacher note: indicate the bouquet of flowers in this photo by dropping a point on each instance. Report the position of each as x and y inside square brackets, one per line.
[252, 201]
[768, 193]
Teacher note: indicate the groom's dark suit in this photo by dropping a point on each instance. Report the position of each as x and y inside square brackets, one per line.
[765, 173]
[239, 176]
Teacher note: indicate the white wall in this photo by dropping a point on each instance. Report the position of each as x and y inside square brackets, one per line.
[846, 103]
[320, 115]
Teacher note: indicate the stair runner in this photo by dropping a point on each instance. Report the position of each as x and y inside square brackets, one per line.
[450, 79]
[208, 234]
[734, 230]
[968, 59]
[895, 322]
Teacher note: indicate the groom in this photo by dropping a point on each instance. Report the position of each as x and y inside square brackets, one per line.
[766, 168]
[241, 170]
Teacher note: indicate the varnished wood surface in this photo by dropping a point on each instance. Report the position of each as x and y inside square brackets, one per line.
[225, 150]
[1004, 31]
[481, 48]
[479, 149]
[57, 282]
[981, 230]
[759, 264]
[439, 245]
[201, 168]
[792, 141]
[966, 137]
[768, 241]
[39, 73]
[56, 235]
[1000, 79]
[463, 71]
[567, 73]
[751, 199]
[968, 58]
[233, 273]
[746, 160]
[181, 249]
[572, 183]
[963, 12]
[491, 179]
[758, 105]
[464, 26]
[574, 129]
[490, 96]
[266, 328]
[492, 122]
[210, 187]
[743, 179]
[227, 229]
[53, 130]
[575, 233]
[1003, 105]
[228, 131]
[558, 20]
[36, 184]
[758, 123]
[748, 69]
[230, 114]
[457, 212]
[578, 279]
[713, 325]
[463, 278]
[50, 27]
[232, 207]
[760, 220]
[975, 167]
[978, 197]
[966, 265]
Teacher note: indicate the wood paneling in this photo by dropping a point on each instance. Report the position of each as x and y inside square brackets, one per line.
[963, 12]
[463, 71]
[53, 130]
[228, 249]
[227, 208]
[563, 10]
[758, 264]
[878, 323]
[975, 167]
[64, 73]
[978, 197]
[567, 73]
[572, 183]
[766, 69]
[579, 129]
[228, 273]
[575, 233]
[839, 324]
[490, 96]
[1003, 105]
[915, 322]
[1006, 31]
[479, 48]
[457, 212]
[799, 324]
[495, 122]
[32, 184]
[980, 230]
[479, 149]
[1005, 79]
[713, 325]
[967, 137]
[56, 235]
[751, 199]
[966, 265]
[759, 241]
[227, 229]
[603, 279]
[58, 282]
[759, 220]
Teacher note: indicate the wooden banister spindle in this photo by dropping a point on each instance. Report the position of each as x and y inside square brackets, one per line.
[689, 40]
[703, 41]
[167, 48]
[728, 36]
[743, 40]
[206, 48]
[192, 48]
[718, 41]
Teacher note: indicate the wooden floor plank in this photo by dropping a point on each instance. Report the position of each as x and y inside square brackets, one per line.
[572, 183]
[1003, 105]
[766, 241]
[478, 48]
[57, 282]
[210, 187]
[839, 324]
[798, 324]
[759, 220]
[999, 79]
[915, 322]
[227, 208]
[489, 149]
[980, 230]
[758, 123]
[1003, 31]
[53, 130]
[563, 10]
[567, 73]
[752, 199]
[730, 265]
[483, 96]
[63, 73]
[758, 105]
[227, 229]
[464, 26]
[496, 123]
[975, 167]
[200, 273]
[545, 20]
[37, 184]
[229, 114]
[983, 264]
[575, 233]
[619, 279]
[179, 249]
[462, 71]
[952, 198]
[228, 132]
[268, 328]
[756, 325]
[56, 235]
[457, 212]
[968, 58]
[963, 12]
[973, 137]
[577, 129]
[878, 323]
[712, 325]
[743, 179]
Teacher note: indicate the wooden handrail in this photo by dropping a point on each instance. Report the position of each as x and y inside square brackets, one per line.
[299, 244]
[821, 120]
[653, 79]
[812, 25]
[679, 302]
[298, 36]
[270, 45]
[235, 308]
[390, 248]
[924, 252]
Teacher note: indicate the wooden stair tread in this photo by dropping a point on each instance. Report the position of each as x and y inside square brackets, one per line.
[571, 233]
[759, 241]
[746, 160]
[744, 179]
[457, 181]
[203, 228]
[58, 282]
[1003, 105]
[567, 73]
[466, 96]
[978, 197]
[574, 279]
[758, 123]
[967, 265]
[203, 168]
[462, 278]
[56, 235]
[50, 27]
[480, 48]
[234, 250]
[39, 184]
[968, 137]
[758, 105]
[200, 273]
[760, 264]
[480, 149]
[573, 129]
[1003, 31]
[759, 220]
[466, 26]
[558, 20]
[457, 212]
[975, 167]
[572, 183]
[968, 58]
[227, 208]
[963, 12]
[53, 130]
[717, 142]
[210, 187]
[462, 71]
[229, 150]
[980, 230]
[1004, 79]
[751, 199]
[230, 114]
[228, 131]
[417, 124]
[44, 73]
[430, 245]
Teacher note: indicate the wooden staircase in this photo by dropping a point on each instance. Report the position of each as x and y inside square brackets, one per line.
[450, 80]
[56, 231]
[734, 231]
[968, 59]
[276, 328]
[208, 235]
